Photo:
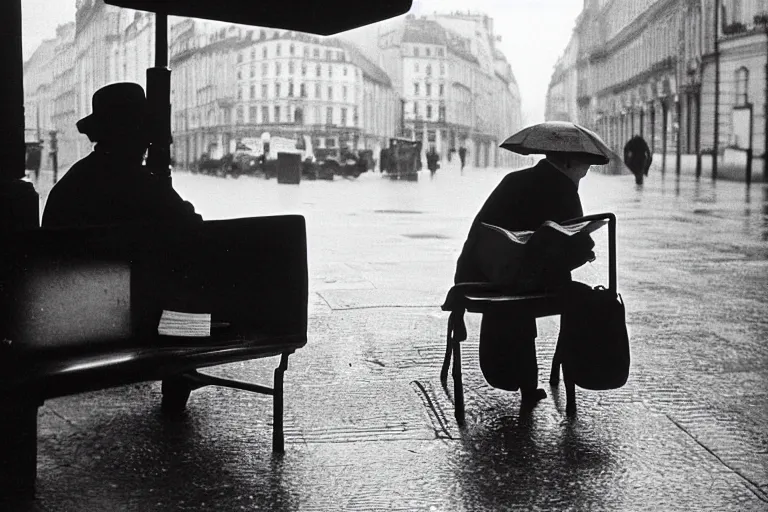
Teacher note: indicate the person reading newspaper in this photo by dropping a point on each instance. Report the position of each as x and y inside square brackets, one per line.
[524, 201]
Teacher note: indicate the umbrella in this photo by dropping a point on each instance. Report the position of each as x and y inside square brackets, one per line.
[560, 137]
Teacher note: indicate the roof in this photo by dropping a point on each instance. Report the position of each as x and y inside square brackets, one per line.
[368, 68]
[424, 32]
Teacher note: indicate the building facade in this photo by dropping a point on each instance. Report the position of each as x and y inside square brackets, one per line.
[232, 82]
[676, 72]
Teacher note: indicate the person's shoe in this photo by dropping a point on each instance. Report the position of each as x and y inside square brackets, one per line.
[532, 397]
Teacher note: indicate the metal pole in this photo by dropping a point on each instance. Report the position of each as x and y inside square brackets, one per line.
[715, 149]
[159, 101]
[698, 133]
[750, 151]
[664, 128]
[765, 110]
[679, 113]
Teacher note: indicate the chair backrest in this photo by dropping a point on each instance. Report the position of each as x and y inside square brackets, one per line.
[73, 288]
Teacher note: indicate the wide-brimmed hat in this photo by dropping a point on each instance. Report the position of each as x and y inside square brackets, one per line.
[560, 137]
[118, 109]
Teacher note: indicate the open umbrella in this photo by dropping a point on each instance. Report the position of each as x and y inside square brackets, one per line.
[560, 137]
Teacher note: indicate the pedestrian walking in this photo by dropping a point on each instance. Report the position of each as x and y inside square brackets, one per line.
[523, 201]
[638, 157]
[110, 185]
[433, 160]
[462, 156]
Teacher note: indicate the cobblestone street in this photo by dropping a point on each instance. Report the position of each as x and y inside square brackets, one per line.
[368, 424]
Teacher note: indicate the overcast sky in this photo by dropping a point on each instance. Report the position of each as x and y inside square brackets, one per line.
[534, 33]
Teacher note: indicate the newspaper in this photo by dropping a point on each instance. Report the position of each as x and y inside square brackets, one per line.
[523, 259]
[174, 323]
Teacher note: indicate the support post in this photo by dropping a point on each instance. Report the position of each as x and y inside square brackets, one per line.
[716, 142]
[664, 129]
[678, 112]
[698, 133]
[159, 101]
[458, 385]
[19, 203]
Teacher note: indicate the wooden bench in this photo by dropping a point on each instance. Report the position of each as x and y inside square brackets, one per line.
[79, 311]
[486, 297]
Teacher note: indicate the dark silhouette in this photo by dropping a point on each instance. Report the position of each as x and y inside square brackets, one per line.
[433, 160]
[462, 156]
[523, 201]
[110, 185]
[637, 156]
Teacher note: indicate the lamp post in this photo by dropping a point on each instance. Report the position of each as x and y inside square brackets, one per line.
[762, 20]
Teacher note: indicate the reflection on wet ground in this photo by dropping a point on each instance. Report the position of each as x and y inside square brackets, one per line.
[368, 424]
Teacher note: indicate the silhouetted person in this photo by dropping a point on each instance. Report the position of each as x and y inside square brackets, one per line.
[523, 201]
[637, 156]
[433, 160]
[462, 156]
[110, 185]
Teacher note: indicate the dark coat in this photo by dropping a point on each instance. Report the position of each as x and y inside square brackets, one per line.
[96, 191]
[522, 201]
[637, 155]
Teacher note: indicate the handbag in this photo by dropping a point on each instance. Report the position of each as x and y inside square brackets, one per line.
[594, 338]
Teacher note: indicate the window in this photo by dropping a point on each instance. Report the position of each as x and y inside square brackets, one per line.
[277, 90]
[344, 93]
[265, 115]
[416, 108]
[317, 70]
[429, 69]
[316, 53]
[440, 52]
[442, 68]
[317, 91]
[305, 52]
[240, 57]
[292, 50]
[303, 69]
[264, 52]
[252, 112]
[298, 116]
[239, 75]
[290, 68]
[263, 90]
[343, 117]
[263, 69]
[416, 67]
[441, 113]
[415, 51]
[279, 48]
[277, 114]
[429, 111]
[345, 70]
[253, 71]
[240, 115]
[330, 93]
[290, 89]
[277, 69]
[253, 53]
[742, 81]
[253, 92]
[327, 54]
[329, 115]
[302, 91]
[442, 90]
[239, 93]
[429, 90]
[416, 89]
[429, 52]
[330, 71]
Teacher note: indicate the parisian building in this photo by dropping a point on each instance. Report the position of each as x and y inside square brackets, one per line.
[457, 88]
[233, 82]
[650, 67]
[441, 79]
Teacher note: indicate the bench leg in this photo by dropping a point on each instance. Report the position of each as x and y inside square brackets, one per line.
[447, 360]
[554, 374]
[18, 455]
[458, 386]
[176, 391]
[278, 438]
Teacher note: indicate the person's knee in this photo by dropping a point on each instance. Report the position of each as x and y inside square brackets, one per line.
[500, 378]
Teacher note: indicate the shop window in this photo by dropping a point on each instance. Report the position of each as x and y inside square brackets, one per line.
[742, 83]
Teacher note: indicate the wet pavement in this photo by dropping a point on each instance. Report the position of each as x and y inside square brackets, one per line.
[368, 424]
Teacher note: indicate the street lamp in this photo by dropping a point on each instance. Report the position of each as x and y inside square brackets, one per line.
[762, 20]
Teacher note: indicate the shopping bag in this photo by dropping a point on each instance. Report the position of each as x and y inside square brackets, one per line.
[594, 338]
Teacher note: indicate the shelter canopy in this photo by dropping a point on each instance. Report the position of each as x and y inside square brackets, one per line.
[323, 17]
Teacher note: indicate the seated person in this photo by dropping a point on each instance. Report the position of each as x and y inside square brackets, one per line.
[110, 185]
[522, 201]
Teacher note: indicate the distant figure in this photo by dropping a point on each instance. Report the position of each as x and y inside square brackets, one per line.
[110, 185]
[462, 156]
[523, 201]
[433, 160]
[637, 156]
